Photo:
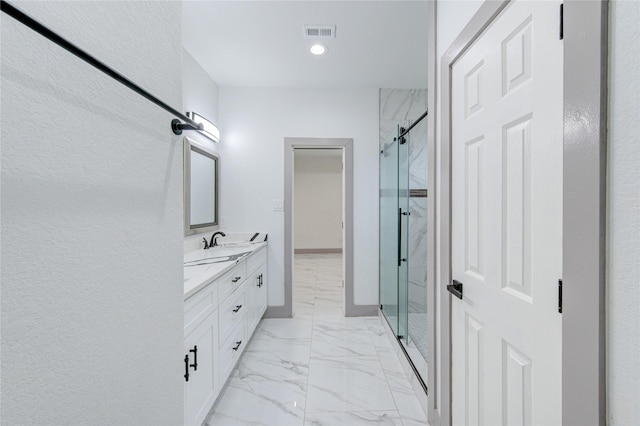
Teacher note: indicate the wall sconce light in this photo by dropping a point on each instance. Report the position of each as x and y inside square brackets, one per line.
[210, 130]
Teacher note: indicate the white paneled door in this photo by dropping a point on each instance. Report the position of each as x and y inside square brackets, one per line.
[507, 220]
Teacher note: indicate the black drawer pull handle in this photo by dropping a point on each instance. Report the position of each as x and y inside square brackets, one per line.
[195, 358]
[237, 308]
[236, 279]
[186, 368]
[237, 346]
[260, 280]
[455, 289]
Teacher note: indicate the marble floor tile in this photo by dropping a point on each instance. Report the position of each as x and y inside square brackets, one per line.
[410, 409]
[348, 384]
[277, 345]
[319, 368]
[248, 402]
[335, 340]
[274, 366]
[284, 328]
[353, 418]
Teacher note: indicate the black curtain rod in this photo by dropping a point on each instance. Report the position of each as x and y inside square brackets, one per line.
[176, 126]
[414, 124]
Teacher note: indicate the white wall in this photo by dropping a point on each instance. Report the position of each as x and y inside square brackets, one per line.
[623, 233]
[254, 123]
[317, 200]
[92, 301]
[199, 94]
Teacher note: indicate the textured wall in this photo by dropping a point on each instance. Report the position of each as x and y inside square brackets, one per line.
[623, 233]
[91, 219]
[317, 201]
[254, 124]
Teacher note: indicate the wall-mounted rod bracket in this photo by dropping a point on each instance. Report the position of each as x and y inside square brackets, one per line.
[178, 126]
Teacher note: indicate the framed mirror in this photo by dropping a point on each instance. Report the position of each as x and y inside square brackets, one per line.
[200, 188]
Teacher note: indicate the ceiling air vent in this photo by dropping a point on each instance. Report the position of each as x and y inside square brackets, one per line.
[321, 31]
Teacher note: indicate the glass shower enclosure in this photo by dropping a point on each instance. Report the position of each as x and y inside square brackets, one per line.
[403, 239]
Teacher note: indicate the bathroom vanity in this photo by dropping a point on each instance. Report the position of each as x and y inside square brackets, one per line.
[225, 296]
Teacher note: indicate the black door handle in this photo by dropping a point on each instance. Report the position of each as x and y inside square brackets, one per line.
[235, 348]
[399, 237]
[195, 357]
[186, 368]
[455, 289]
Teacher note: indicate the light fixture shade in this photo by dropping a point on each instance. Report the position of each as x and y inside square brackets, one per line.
[210, 130]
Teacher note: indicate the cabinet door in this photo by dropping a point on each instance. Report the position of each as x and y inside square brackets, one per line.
[258, 296]
[201, 390]
[261, 294]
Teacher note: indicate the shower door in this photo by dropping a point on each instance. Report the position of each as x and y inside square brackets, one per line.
[403, 234]
[415, 339]
[389, 231]
[403, 239]
[393, 233]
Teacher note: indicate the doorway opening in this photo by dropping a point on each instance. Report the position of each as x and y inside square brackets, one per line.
[346, 146]
[318, 217]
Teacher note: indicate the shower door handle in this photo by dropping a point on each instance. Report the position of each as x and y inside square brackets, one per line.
[400, 214]
[399, 236]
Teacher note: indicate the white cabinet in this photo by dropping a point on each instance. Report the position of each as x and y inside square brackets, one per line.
[219, 320]
[200, 356]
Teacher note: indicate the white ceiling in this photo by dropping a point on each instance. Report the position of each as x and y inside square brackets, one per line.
[378, 44]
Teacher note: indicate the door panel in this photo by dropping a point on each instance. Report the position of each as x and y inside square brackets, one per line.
[403, 237]
[389, 231]
[507, 220]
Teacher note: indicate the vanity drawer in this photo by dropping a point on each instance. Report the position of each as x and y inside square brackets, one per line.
[199, 306]
[256, 259]
[231, 349]
[232, 311]
[231, 280]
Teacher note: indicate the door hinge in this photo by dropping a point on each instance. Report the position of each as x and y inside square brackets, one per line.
[560, 295]
[561, 21]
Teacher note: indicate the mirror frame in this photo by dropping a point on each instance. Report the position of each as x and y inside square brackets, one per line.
[189, 146]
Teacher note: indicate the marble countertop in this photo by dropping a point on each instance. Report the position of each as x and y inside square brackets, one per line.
[203, 266]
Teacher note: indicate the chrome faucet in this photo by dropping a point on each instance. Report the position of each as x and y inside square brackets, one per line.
[214, 240]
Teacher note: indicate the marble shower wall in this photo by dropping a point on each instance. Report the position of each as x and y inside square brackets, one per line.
[402, 107]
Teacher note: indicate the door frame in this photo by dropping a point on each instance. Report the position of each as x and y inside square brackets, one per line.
[350, 309]
[585, 60]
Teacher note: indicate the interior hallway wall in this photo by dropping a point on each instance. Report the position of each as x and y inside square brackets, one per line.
[254, 123]
[92, 297]
[623, 228]
[317, 200]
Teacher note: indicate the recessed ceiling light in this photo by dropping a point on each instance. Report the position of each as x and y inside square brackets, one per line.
[318, 49]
